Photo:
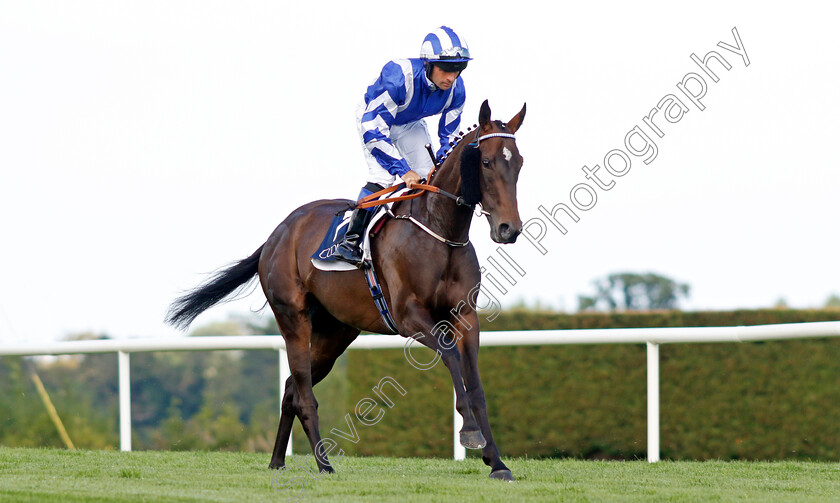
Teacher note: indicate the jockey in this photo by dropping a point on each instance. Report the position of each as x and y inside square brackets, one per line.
[392, 126]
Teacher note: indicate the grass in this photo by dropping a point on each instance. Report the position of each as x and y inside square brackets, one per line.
[83, 476]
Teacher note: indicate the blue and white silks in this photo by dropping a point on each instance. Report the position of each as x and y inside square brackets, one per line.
[395, 106]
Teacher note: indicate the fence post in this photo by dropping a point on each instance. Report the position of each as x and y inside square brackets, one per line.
[285, 373]
[459, 452]
[652, 402]
[124, 370]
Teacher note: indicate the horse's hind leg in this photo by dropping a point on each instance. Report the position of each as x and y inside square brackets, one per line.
[284, 430]
[329, 339]
[296, 327]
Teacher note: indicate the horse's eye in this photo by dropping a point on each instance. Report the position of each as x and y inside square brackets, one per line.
[485, 163]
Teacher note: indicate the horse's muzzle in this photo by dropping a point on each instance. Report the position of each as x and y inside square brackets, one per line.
[506, 233]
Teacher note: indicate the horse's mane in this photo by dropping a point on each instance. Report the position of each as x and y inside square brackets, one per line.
[469, 165]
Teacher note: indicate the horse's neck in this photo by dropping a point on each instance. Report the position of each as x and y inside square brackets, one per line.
[442, 214]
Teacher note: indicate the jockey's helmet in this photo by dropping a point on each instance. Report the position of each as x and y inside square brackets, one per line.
[446, 50]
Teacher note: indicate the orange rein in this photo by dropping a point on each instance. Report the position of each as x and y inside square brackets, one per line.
[373, 199]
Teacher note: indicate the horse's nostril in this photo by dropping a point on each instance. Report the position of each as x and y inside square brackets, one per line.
[505, 231]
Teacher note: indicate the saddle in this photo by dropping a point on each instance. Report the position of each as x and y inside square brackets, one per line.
[324, 259]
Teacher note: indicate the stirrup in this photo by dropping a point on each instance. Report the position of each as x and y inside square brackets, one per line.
[354, 249]
[358, 263]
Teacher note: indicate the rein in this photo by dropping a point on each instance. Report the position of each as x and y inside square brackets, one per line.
[373, 199]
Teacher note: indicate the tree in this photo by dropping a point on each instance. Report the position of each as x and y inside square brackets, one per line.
[628, 291]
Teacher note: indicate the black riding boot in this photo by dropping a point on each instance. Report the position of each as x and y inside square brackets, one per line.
[350, 248]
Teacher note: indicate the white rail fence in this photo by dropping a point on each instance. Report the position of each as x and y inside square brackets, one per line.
[651, 337]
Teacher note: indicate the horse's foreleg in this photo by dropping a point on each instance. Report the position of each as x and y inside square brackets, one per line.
[430, 335]
[469, 366]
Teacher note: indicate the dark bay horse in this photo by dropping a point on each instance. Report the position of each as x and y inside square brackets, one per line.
[429, 285]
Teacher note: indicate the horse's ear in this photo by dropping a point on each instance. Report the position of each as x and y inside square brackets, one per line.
[516, 122]
[484, 115]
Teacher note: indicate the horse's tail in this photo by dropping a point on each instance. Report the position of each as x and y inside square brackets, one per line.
[184, 310]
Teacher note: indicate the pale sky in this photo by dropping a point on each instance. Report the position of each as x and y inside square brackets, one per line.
[144, 144]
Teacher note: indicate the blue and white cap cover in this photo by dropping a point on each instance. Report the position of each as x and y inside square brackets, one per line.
[443, 44]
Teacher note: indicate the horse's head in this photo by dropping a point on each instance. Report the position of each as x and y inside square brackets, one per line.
[490, 167]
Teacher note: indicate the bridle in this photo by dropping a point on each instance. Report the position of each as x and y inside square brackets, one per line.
[491, 135]
[373, 199]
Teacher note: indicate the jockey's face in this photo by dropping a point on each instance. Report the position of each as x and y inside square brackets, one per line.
[442, 79]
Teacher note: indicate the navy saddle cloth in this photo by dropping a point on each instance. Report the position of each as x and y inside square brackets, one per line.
[324, 256]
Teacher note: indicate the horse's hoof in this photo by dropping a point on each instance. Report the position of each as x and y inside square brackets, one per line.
[504, 475]
[473, 439]
[276, 465]
[327, 469]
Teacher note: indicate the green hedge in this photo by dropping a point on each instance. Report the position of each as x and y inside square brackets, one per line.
[769, 400]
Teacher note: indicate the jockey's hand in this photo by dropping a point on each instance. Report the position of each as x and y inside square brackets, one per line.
[410, 178]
